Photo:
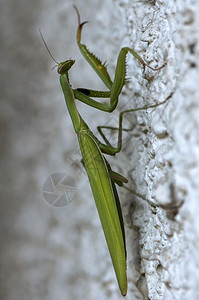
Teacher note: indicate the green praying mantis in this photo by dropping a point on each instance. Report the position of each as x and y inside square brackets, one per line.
[102, 178]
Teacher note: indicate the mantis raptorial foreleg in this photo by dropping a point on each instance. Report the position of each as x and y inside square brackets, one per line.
[100, 68]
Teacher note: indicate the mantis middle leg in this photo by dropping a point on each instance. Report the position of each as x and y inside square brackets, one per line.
[107, 148]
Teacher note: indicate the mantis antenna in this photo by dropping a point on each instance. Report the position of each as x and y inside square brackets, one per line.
[47, 47]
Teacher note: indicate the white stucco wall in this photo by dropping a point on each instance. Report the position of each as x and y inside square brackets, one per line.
[60, 253]
[166, 162]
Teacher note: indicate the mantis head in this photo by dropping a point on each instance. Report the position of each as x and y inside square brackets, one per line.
[64, 67]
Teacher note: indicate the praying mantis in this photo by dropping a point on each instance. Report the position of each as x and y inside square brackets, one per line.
[102, 178]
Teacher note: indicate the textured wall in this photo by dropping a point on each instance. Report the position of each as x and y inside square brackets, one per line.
[165, 155]
[49, 252]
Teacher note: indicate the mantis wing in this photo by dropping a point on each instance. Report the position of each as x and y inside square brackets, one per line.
[107, 203]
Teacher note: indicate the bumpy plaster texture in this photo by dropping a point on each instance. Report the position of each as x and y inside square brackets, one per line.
[60, 253]
[165, 154]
